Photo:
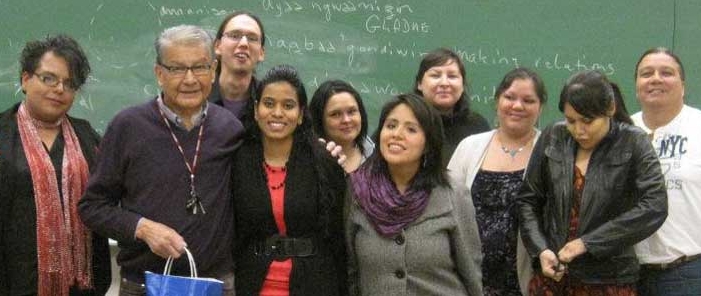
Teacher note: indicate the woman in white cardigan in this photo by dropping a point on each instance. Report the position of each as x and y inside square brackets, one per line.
[492, 164]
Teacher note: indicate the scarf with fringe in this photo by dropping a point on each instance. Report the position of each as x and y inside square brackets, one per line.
[63, 242]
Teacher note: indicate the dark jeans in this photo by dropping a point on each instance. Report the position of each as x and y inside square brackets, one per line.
[682, 280]
[128, 288]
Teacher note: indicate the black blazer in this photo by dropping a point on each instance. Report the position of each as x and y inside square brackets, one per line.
[312, 177]
[18, 253]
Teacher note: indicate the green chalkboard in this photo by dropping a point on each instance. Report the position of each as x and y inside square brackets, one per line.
[374, 44]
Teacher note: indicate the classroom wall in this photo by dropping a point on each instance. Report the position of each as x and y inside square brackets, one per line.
[374, 44]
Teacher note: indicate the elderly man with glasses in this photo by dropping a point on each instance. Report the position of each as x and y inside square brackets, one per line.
[161, 181]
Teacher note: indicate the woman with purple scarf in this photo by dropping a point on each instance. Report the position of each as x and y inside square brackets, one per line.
[409, 230]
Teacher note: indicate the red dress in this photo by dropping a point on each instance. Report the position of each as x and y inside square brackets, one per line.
[568, 286]
[277, 281]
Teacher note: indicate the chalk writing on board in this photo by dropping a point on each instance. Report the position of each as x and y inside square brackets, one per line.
[190, 11]
[305, 44]
[487, 57]
[355, 49]
[151, 90]
[308, 45]
[556, 62]
[483, 95]
[375, 24]
[386, 18]
[281, 7]
[85, 101]
[345, 7]
[362, 86]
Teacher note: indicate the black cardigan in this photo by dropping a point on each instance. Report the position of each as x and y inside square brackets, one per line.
[320, 274]
[18, 253]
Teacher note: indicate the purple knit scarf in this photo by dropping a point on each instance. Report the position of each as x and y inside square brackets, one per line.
[388, 211]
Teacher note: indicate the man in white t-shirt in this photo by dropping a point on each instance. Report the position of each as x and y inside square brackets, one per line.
[670, 258]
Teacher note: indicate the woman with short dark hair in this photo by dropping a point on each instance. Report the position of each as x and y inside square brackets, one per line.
[45, 159]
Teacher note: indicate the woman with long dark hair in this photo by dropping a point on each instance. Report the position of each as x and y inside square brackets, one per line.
[409, 230]
[288, 195]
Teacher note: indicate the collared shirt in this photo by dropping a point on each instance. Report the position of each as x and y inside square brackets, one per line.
[196, 119]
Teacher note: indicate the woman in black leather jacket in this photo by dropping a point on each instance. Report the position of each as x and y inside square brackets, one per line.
[593, 189]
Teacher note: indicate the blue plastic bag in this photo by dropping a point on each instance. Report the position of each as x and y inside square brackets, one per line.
[171, 285]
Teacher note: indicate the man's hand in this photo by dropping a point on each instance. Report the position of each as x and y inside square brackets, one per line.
[161, 239]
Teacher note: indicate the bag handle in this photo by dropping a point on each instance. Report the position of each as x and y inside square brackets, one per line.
[190, 260]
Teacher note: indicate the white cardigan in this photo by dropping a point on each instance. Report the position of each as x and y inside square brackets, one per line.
[463, 167]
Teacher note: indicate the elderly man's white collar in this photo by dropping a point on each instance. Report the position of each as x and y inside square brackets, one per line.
[196, 119]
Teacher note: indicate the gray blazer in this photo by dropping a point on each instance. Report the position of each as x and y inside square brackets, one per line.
[438, 254]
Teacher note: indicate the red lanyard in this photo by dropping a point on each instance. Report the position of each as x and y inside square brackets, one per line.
[193, 202]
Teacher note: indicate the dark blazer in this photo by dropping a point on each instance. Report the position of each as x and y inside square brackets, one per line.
[311, 178]
[623, 202]
[18, 252]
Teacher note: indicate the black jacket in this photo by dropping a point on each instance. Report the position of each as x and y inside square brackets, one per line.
[309, 177]
[623, 202]
[18, 252]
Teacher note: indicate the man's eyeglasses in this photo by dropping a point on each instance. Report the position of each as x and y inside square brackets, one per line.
[238, 36]
[51, 80]
[180, 71]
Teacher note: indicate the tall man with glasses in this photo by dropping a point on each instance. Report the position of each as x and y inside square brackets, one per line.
[161, 184]
[240, 46]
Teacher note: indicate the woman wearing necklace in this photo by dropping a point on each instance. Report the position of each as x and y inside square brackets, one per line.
[593, 189]
[338, 115]
[492, 164]
[409, 230]
[288, 196]
[45, 159]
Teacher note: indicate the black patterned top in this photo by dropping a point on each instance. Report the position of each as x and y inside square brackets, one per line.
[494, 196]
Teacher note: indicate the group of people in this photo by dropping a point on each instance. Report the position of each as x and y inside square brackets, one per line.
[275, 195]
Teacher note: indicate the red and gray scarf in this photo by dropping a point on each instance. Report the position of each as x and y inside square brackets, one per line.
[63, 243]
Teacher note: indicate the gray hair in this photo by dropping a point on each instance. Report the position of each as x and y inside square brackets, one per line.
[187, 35]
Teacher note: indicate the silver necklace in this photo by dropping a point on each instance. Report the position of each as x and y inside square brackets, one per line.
[512, 152]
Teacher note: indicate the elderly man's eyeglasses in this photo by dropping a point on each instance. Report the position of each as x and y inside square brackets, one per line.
[180, 71]
[51, 80]
[238, 36]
